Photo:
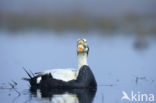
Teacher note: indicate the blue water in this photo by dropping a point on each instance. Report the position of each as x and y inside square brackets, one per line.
[119, 61]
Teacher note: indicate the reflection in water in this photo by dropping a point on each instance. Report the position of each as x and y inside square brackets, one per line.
[141, 43]
[65, 95]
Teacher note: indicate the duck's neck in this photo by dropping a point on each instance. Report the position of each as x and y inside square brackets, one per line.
[82, 60]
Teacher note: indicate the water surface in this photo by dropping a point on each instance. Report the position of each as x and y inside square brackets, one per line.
[119, 61]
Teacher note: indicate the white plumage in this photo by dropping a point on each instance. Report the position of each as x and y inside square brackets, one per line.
[38, 80]
[61, 74]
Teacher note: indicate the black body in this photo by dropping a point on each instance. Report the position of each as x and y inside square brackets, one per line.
[85, 79]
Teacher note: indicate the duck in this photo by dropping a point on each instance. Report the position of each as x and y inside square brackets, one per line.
[82, 77]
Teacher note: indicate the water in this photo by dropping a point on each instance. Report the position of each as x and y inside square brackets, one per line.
[120, 62]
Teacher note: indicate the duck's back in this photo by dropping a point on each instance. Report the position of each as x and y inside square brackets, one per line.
[62, 74]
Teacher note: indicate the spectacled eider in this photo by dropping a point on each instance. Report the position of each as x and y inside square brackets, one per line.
[66, 78]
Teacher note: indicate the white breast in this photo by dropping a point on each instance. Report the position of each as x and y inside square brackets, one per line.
[63, 74]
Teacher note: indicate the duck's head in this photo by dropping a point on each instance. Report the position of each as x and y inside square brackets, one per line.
[82, 46]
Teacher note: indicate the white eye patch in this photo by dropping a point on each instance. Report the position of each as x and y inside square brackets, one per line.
[84, 40]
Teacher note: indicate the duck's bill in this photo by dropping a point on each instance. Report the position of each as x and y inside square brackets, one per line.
[80, 49]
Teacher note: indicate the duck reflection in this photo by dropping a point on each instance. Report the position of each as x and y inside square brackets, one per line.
[65, 95]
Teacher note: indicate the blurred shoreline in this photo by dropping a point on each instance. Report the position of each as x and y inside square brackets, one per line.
[82, 16]
[79, 22]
